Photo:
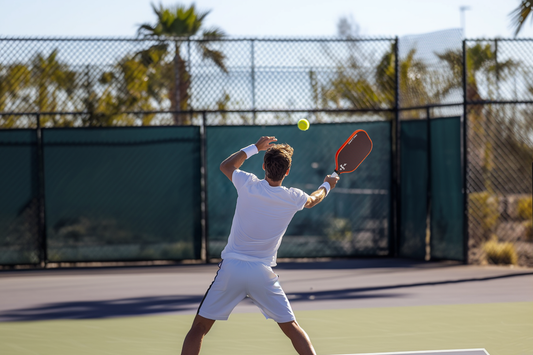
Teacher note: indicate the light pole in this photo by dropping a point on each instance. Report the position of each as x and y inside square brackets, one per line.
[463, 9]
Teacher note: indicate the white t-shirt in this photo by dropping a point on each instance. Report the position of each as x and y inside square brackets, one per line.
[261, 218]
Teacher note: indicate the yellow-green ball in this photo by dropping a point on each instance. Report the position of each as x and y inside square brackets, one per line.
[303, 124]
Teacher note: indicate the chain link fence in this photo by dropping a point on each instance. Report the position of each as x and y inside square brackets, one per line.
[107, 194]
[108, 78]
[48, 83]
[354, 220]
[116, 194]
[500, 148]
[156, 193]
[430, 73]
[20, 238]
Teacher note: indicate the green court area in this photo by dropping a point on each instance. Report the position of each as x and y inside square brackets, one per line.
[500, 328]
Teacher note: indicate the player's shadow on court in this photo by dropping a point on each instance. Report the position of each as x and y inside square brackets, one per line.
[104, 309]
[170, 304]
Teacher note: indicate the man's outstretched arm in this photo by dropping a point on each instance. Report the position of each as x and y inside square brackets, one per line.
[316, 197]
[235, 161]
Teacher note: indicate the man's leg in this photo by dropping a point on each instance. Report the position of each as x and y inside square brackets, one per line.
[300, 340]
[193, 340]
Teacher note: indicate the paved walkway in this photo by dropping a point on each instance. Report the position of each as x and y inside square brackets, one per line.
[178, 289]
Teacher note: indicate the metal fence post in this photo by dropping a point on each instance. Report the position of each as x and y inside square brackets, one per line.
[429, 196]
[189, 76]
[204, 254]
[393, 248]
[497, 69]
[253, 80]
[43, 252]
[465, 155]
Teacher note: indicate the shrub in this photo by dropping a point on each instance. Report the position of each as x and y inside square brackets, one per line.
[500, 253]
[528, 225]
[483, 207]
[525, 209]
[339, 229]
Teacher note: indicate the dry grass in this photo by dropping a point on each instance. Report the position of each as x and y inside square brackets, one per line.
[500, 253]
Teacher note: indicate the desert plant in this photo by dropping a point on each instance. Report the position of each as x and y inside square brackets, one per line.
[483, 207]
[339, 229]
[500, 253]
[525, 208]
[528, 225]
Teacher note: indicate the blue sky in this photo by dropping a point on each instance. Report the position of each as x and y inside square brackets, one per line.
[260, 18]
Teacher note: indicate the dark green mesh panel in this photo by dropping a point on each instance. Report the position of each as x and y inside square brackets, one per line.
[413, 179]
[446, 185]
[122, 194]
[353, 220]
[446, 182]
[19, 239]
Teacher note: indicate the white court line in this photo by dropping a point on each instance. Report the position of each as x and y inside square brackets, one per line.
[442, 352]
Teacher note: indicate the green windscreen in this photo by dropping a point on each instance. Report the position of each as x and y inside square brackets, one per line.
[19, 205]
[413, 191]
[353, 220]
[446, 182]
[446, 217]
[123, 193]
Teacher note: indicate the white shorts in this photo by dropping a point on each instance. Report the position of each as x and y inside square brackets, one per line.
[237, 279]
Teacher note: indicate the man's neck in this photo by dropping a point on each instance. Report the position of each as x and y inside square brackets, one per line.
[273, 183]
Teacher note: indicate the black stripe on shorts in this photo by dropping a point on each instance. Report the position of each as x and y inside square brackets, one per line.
[203, 299]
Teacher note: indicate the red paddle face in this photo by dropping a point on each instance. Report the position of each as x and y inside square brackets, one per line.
[352, 153]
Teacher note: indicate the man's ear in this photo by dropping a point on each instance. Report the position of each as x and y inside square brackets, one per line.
[288, 171]
[263, 166]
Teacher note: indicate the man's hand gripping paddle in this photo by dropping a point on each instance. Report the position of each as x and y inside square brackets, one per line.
[352, 153]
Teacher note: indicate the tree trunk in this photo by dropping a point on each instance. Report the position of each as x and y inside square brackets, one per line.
[179, 94]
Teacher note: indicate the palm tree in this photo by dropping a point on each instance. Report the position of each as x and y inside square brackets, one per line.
[177, 24]
[354, 86]
[131, 86]
[414, 84]
[14, 80]
[52, 78]
[520, 15]
[480, 60]
[359, 83]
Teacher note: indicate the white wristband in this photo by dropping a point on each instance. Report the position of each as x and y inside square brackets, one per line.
[326, 186]
[250, 150]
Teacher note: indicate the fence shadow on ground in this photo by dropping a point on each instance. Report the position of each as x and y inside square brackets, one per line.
[139, 306]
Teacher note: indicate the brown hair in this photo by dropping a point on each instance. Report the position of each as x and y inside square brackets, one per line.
[278, 159]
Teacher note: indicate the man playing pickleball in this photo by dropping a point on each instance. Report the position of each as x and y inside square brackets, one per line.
[263, 212]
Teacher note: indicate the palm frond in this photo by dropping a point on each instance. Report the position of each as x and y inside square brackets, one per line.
[520, 14]
[175, 21]
[213, 33]
[146, 30]
[216, 56]
[158, 11]
[453, 79]
[154, 54]
[202, 15]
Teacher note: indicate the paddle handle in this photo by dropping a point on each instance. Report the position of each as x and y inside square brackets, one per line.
[334, 174]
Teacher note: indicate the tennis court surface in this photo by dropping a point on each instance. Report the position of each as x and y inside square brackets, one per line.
[435, 352]
[364, 306]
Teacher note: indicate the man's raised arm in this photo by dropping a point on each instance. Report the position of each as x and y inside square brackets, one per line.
[235, 161]
[316, 197]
